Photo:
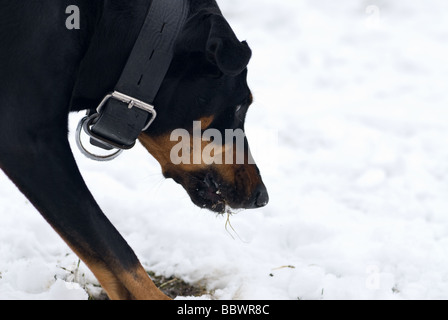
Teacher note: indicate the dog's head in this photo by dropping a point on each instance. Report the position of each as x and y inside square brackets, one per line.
[198, 137]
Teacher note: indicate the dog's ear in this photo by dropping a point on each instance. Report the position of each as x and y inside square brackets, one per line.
[224, 49]
[211, 34]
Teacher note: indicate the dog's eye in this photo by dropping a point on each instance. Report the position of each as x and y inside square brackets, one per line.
[239, 113]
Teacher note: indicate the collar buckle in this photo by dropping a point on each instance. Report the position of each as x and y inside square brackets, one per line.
[101, 142]
[131, 102]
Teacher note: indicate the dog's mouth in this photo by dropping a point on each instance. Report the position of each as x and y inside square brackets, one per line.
[208, 190]
[211, 194]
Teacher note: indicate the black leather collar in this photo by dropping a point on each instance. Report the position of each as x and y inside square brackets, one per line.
[128, 111]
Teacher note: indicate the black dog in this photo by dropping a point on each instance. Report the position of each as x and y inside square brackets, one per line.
[47, 71]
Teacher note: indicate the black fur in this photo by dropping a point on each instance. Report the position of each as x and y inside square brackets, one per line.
[46, 71]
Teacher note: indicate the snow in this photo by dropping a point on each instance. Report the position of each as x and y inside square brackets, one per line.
[349, 131]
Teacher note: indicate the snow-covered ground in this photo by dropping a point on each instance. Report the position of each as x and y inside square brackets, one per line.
[350, 131]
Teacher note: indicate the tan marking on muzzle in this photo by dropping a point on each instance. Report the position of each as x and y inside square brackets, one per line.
[244, 177]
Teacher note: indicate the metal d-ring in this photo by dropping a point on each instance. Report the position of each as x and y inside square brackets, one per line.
[82, 126]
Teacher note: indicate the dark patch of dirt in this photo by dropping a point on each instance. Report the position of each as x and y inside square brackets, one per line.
[174, 287]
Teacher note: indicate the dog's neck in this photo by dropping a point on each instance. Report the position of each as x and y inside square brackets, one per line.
[110, 34]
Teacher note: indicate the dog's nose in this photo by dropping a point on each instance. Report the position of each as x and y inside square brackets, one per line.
[261, 197]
